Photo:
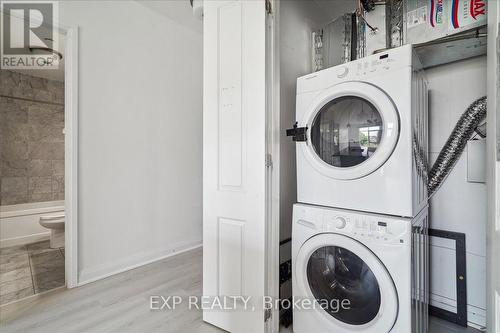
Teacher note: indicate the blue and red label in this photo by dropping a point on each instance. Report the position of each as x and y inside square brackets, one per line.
[436, 15]
[465, 12]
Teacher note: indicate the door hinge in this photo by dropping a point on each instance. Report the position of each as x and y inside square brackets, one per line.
[269, 160]
[269, 7]
[297, 133]
[267, 314]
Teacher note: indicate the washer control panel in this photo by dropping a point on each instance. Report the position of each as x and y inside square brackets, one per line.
[340, 222]
[366, 226]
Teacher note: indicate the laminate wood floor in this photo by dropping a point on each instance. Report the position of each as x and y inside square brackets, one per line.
[121, 303]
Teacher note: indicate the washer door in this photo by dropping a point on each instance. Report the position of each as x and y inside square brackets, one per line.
[353, 128]
[331, 269]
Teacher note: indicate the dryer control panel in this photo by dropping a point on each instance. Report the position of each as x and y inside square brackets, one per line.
[374, 64]
[361, 69]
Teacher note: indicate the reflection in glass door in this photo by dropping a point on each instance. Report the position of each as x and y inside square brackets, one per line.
[346, 131]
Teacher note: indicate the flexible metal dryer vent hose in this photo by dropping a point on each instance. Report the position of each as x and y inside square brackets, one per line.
[455, 145]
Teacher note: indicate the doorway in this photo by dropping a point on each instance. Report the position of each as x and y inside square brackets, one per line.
[38, 174]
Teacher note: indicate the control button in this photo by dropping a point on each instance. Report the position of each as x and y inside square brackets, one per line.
[340, 222]
[342, 72]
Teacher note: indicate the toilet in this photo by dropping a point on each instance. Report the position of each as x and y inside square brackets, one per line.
[56, 225]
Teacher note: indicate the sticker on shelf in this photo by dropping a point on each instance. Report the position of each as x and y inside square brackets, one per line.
[467, 12]
[416, 17]
[436, 16]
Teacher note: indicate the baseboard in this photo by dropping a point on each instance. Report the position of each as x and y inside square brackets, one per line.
[496, 311]
[24, 239]
[104, 271]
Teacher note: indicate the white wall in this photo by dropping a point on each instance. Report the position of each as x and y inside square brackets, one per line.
[297, 21]
[458, 205]
[140, 135]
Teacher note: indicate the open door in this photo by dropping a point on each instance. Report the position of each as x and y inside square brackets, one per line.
[234, 161]
[493, 169]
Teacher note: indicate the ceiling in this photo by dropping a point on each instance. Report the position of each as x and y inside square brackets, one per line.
[179, 11]
[336, 8]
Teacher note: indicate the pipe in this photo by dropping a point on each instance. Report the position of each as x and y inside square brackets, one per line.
[421, 161]
[455, 145]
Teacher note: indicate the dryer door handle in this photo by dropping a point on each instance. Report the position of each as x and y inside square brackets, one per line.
[297, 133]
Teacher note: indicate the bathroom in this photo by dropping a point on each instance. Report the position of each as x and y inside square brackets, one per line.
[32, 182]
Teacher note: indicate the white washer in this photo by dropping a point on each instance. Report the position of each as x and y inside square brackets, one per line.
[379, 263]
[363, 121]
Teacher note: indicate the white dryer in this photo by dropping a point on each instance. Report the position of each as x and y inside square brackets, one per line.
[360, 128]
[378, 263]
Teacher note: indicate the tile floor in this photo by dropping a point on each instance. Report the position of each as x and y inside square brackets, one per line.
[30, 269]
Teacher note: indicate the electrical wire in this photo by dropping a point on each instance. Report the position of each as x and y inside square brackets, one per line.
[360, 12]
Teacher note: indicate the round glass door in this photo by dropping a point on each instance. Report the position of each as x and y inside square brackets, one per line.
[346, 131]
[331, 268]
[335, 273]
[353, 128]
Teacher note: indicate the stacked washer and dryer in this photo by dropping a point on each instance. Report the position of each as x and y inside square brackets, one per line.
[359, 236]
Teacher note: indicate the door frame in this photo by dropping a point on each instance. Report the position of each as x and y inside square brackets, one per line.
[273, 133]
[71, 154]
[493, 172]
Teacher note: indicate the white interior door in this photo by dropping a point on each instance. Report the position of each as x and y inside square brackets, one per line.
[493, 160]
[234, 164]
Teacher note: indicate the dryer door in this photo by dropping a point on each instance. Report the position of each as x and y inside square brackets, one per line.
[353, 128]
[350, 286]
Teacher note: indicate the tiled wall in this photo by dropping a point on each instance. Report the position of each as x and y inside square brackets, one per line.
[31, 139]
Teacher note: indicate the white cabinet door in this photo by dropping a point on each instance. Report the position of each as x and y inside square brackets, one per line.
[234, 170]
